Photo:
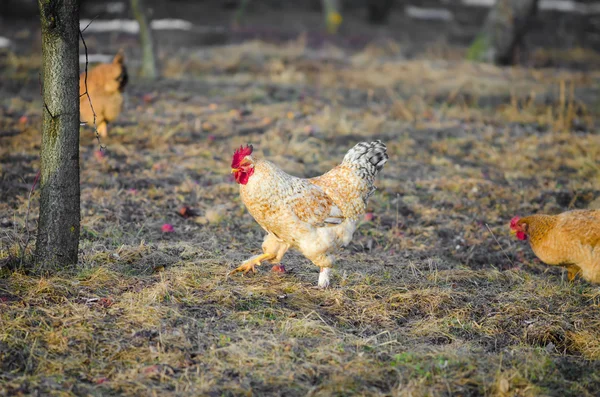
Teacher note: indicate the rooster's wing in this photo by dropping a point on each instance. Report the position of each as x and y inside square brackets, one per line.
[312, 205]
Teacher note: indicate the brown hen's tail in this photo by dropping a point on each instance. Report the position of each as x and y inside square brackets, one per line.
[119, 58]
[367, 158]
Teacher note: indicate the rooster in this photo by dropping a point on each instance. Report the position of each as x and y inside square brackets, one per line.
[570, 239]
[315, 216]
[105, 84]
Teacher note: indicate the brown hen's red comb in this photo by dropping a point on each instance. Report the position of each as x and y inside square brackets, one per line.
[239, 154]
[513, 222]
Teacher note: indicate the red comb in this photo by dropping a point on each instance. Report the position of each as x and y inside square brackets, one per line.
[513, 222]
[239, 154]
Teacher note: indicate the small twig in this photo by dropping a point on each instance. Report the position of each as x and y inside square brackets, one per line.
[44, 99]
[397, 210]
[574, 199]
[88, 25]
[322, 320]
[86, 87]
[500, 245]
[24, 247]
[240, 12]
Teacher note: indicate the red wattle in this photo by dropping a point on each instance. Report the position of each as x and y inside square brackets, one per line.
[242, 177]
[521, 236]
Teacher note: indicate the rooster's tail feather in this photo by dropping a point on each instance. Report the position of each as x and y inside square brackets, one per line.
[367, 158]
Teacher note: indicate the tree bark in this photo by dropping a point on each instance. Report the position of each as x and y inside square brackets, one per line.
[149, 69]
[58, 228]
[503, 30]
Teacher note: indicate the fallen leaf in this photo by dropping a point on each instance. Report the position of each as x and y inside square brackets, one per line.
[105, 302]
[100, 155]
[278, 269]
[187, 212]
[206, 126]
[152, 370]
[156, 370]
[148, 98]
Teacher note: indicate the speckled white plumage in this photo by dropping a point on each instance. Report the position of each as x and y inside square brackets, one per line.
[316, 216]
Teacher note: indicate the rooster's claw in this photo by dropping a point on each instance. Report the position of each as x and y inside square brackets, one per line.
[244, 268]
[250, 264]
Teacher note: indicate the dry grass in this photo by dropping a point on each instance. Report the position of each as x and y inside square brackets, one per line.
[431, 298]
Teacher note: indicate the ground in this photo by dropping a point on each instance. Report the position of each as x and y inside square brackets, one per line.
[432, 297]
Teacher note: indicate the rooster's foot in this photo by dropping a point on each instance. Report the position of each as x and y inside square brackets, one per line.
[572, 272]
[250, 264]
[324, 275]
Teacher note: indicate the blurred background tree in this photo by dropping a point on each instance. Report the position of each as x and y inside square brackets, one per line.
[503, 30]
[333, 16]
[58, 228]
[149, 69]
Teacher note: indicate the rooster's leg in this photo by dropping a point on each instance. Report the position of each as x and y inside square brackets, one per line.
[250, 264]
[277, 247]
[324, 275]
[325, 263]
[102, 129]
[572, 272]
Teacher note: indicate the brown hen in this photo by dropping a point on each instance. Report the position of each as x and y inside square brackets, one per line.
[105, 84]
[570, 239]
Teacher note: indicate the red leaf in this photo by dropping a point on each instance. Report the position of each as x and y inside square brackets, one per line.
[106, 302]
[187, 212]
[149, 97]
[99, 155]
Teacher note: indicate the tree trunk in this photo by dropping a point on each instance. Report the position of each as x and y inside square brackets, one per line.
[503, 30]
[58, 227]
[149, 69]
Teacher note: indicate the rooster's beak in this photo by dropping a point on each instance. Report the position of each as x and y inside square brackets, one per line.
[234, 170]
[513, 231]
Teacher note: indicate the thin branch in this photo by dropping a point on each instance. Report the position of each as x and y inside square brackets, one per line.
[500, 245]
[88, 25]
[86, 87]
